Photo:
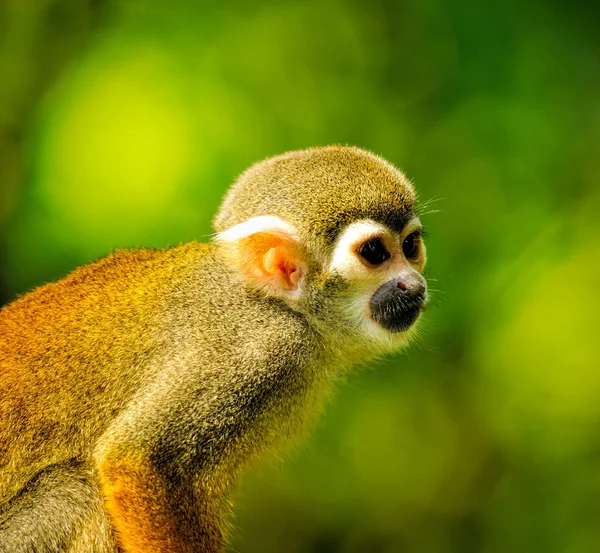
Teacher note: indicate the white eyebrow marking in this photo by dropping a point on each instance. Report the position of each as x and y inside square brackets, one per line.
[412, 225]
[359, 231]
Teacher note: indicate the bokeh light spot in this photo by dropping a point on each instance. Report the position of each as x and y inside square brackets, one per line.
[123, 145]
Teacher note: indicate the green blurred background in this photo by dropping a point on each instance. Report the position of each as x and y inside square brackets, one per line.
[122, 124]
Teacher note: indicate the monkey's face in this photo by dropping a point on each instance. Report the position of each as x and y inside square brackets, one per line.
[332, 232]
[379, 271]
[368, 291]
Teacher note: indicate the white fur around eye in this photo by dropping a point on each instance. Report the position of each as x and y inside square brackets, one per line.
[344, 258]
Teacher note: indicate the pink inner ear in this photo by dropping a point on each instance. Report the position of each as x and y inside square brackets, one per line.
[281, 265]
[271, 260]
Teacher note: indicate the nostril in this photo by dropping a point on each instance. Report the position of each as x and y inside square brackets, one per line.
[402, 286]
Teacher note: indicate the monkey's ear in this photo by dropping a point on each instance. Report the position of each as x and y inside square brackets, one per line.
[268, 251]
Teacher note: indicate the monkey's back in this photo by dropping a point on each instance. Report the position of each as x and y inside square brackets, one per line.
[73, 352]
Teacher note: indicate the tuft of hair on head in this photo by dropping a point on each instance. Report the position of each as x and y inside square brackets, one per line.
[268, 253]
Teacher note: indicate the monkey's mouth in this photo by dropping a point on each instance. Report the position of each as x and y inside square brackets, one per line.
[394, 309]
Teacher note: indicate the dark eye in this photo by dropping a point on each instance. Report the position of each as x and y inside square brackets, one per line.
[374, 252]
[410, 246]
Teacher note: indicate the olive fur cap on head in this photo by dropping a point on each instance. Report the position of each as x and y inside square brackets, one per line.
[320, 191]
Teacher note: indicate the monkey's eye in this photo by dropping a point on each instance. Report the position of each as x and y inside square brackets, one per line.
[373, 251]
[410, 246]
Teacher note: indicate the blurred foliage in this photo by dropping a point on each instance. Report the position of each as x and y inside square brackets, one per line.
[122, 124]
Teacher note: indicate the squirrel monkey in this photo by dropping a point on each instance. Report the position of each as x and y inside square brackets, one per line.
[134, 391]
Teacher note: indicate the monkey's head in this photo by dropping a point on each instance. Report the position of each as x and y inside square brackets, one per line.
[333, 233]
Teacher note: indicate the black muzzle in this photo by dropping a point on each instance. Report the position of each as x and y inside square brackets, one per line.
[396, 304]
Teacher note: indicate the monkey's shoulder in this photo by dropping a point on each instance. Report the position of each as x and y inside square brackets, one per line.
[112, 293]
[160, 264]
[119, 268]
